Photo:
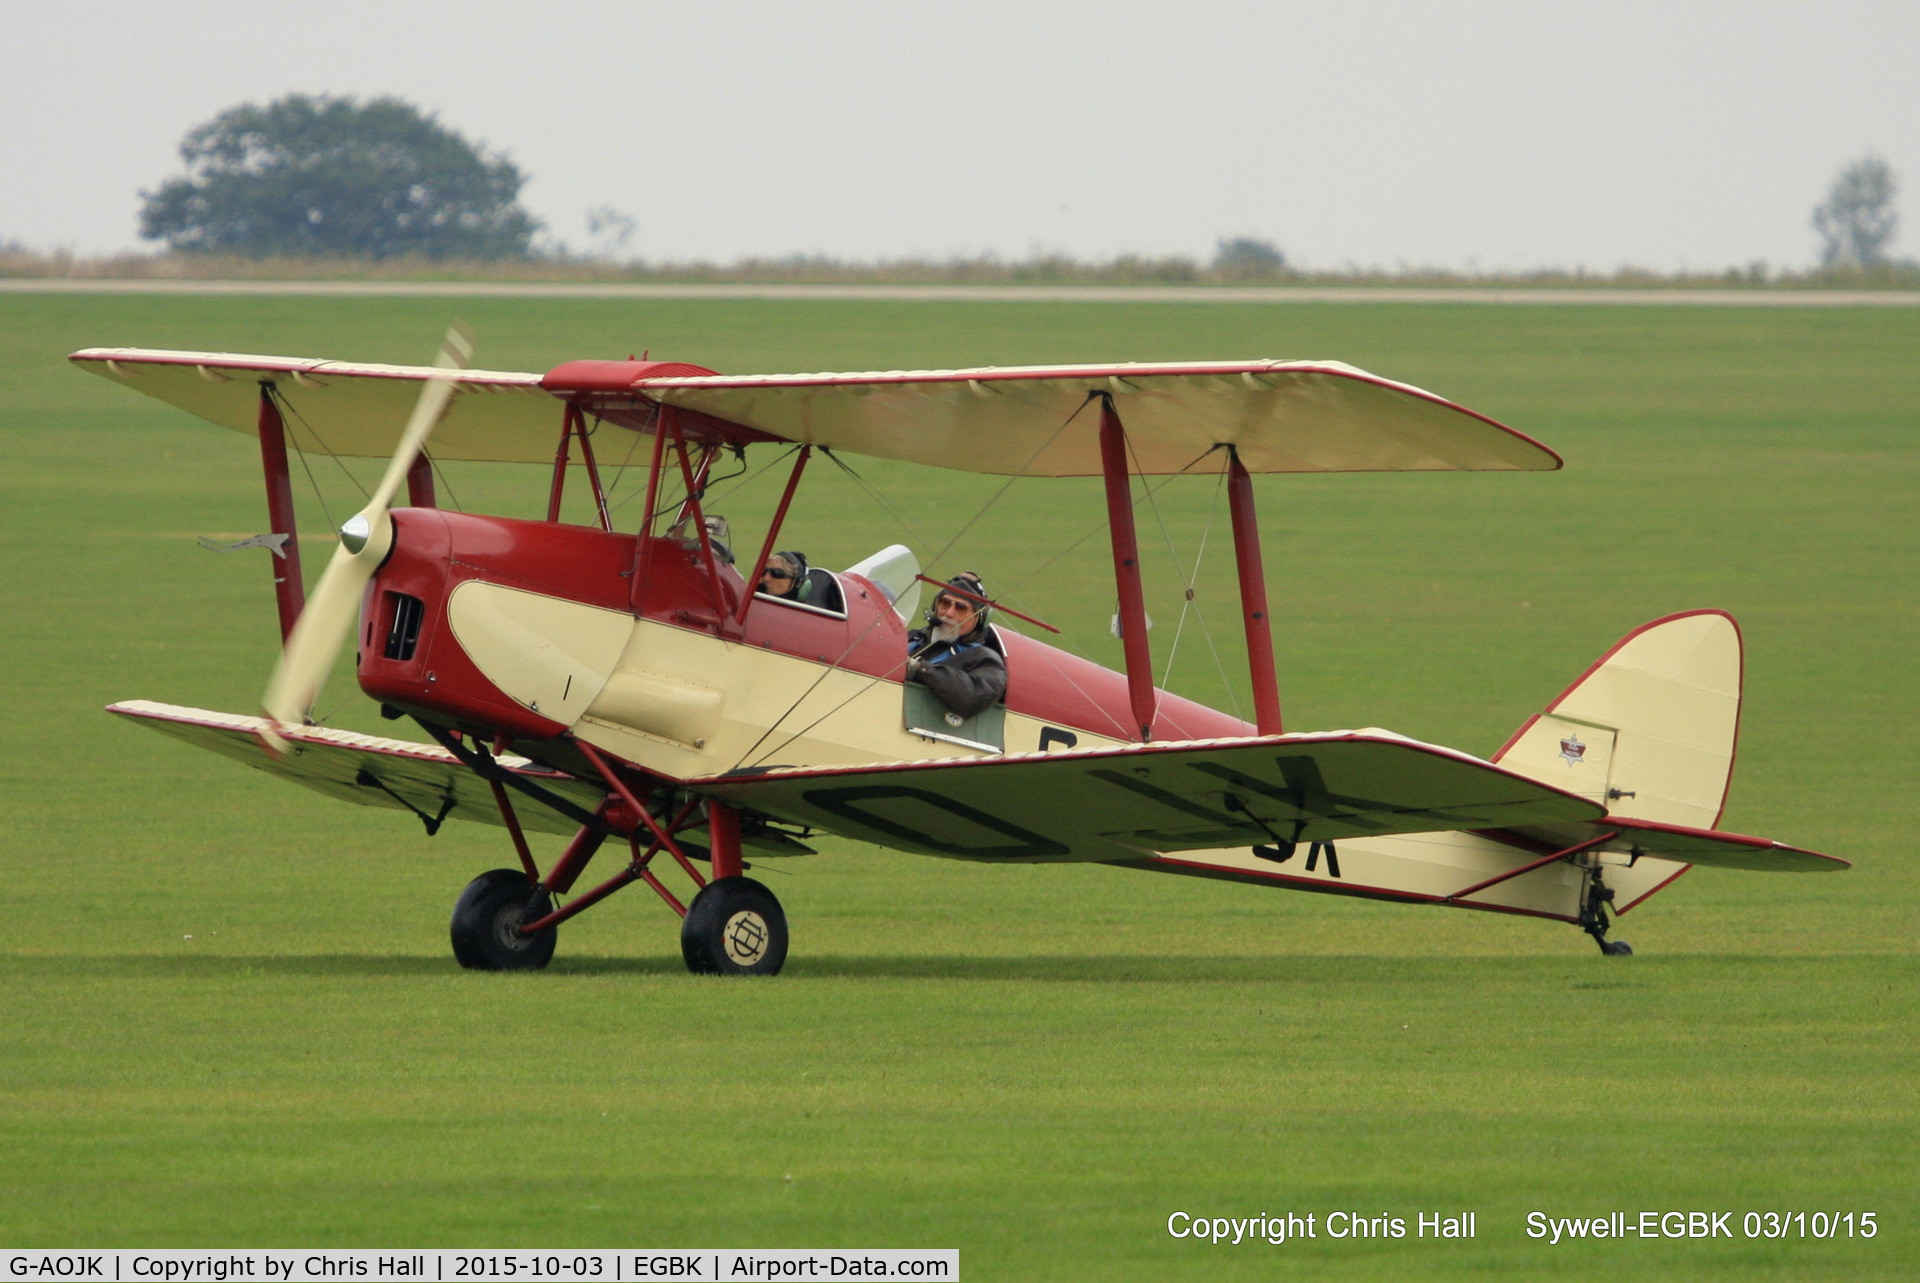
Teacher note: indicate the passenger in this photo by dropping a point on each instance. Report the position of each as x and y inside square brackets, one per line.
[782, 575]
[788, 577]
[952, 656]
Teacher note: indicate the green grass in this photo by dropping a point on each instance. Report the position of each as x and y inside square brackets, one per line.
[1033, 1065]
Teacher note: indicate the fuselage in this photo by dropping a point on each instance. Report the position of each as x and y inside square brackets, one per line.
[537, 630]
[534, 634]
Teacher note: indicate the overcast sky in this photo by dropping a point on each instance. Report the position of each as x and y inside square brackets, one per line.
[1469, 134]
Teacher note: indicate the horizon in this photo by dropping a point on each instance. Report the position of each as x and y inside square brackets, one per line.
[1486, 141]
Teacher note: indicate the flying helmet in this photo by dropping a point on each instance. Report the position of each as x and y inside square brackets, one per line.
[969, 583]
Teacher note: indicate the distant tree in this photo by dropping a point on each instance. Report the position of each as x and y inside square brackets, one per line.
[1857, 222]
[334, 176]
[610, 232]
[1241, 258]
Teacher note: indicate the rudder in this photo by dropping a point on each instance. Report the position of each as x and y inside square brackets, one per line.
[1649, 730]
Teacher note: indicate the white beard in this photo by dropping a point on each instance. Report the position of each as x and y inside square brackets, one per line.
[944, 633]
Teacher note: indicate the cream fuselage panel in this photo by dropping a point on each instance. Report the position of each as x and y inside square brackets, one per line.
[1438, 865]
[547, 653]
[687, 704]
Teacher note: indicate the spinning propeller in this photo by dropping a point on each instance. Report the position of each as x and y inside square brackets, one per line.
[365, 540]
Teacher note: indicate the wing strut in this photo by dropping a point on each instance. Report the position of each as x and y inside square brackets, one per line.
[289, 591]
[773, 533]
[1253, 596]
[420, 483]
[1126, 567]
[574, 422]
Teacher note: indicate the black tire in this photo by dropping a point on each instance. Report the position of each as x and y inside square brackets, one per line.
[486, 918]
[1617, 949]
[735, 928]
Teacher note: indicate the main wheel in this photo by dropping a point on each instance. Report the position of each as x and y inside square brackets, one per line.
[486, 922]
[735, 928]
[1617, 949]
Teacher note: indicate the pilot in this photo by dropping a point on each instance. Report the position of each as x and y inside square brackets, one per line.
[952, 656]
[788, 577]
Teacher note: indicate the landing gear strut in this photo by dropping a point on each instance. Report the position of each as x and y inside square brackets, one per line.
[1594, 900]
[505, 920]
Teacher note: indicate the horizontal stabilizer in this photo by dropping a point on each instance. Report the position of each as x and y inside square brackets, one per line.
[1713, 848]
[1122, 802]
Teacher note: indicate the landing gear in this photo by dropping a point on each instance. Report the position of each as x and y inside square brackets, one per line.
[734, 928]
[486, 924]
[1593, 916]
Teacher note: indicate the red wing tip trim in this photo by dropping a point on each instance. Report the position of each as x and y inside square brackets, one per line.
[305, 366]
[1121, 371]
[240, 723]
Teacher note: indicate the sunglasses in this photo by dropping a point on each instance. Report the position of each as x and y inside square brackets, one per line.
[958, 604]
[771, 573]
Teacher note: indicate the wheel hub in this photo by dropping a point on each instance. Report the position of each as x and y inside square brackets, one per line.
[746, 937]
[506, 929]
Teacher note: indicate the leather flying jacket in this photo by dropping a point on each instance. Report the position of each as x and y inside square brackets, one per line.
[968, 675]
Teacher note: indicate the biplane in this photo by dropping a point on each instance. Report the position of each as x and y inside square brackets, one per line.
[632, 688]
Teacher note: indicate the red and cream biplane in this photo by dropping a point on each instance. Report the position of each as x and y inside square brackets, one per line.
[601, 684]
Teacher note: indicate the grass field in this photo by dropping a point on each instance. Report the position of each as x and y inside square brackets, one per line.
[231, 1018]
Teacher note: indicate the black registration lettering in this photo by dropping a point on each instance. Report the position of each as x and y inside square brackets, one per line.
[930, 811]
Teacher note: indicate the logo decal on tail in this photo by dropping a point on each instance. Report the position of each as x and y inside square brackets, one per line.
[1573, 750]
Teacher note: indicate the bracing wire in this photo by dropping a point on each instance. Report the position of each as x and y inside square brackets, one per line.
[872, 680]
[289, 406]
[1149, 494]
[446, 485]
[1101, 524]
[620, 469]
[1188, 593]
[913, 532]
[1044, 447]
[833, 667]
[314, 482]
[713, 499]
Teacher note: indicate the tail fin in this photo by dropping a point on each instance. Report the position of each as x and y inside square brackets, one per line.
[1648, 731]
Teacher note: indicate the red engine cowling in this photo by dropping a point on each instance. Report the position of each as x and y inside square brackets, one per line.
[408, 655]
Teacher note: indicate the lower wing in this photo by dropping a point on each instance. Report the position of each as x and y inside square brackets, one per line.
[1128, 801]
[366, 769]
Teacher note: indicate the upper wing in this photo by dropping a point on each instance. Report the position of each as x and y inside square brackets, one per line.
[1117, 803]
[338, 407]
[1282, 416]
[366, 769]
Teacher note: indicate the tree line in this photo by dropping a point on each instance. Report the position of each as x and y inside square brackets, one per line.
[321, 177]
